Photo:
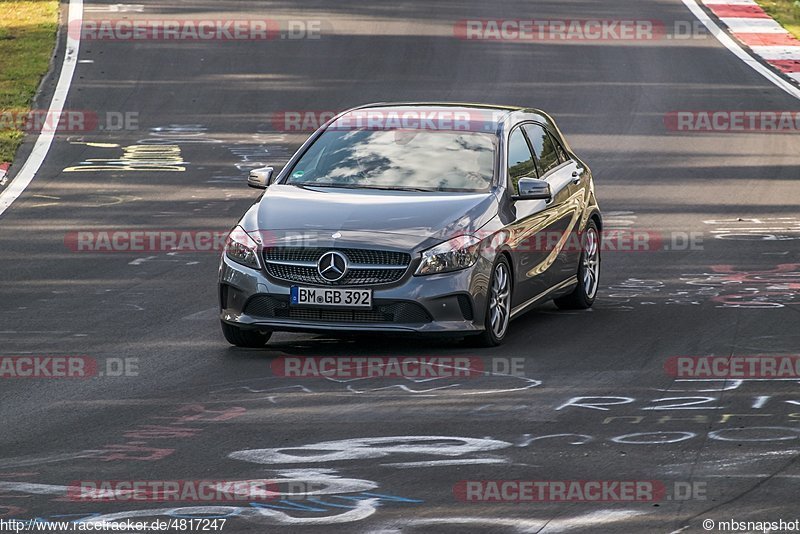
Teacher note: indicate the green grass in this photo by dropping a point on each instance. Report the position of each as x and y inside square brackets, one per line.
[787, 12]
[27, 37]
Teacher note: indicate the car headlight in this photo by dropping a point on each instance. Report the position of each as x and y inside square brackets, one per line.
[454, 255]
[242, 248]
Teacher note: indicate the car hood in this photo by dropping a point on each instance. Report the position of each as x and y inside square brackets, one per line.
[397, 219]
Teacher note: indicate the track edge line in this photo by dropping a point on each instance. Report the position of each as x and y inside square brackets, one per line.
[738, 51]
[43, 142]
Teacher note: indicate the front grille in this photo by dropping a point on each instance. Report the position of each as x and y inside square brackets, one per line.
[264, 306]
[354, 277]
[355, 255]
[274, 307]
[338, 316]
[367, 267]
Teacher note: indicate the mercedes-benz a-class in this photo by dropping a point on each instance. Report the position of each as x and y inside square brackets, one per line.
[426, 218]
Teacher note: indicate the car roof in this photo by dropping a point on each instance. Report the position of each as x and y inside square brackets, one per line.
[492, 118]
[432, 104]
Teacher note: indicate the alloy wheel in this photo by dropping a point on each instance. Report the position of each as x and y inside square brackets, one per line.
[591, 262]
[500, 300]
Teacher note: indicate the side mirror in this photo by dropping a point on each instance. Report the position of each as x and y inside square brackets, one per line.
[533, 189]
[260, 178]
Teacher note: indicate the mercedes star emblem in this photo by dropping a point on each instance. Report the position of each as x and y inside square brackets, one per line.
[332, 266]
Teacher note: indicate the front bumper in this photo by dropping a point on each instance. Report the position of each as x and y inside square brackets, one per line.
[441, 303]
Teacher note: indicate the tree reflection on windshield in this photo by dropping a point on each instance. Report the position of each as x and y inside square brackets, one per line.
[430, 160]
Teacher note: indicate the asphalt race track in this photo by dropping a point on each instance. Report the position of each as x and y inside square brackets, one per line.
[392, 455]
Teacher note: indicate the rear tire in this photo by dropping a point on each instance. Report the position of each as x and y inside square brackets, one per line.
[588, 273]
[240, 337]
[498, 306]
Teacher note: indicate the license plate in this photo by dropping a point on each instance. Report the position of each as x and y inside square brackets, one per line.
[323, 296]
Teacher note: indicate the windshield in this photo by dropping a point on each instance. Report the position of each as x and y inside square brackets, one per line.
[395, 159]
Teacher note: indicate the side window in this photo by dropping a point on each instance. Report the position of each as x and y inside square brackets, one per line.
[562, 154]
[543, 147]
[520, 160]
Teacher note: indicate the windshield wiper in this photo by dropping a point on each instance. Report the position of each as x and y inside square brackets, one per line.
[377, 187]
[395, 188]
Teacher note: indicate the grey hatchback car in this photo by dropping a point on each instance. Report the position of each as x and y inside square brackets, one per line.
[414, 217]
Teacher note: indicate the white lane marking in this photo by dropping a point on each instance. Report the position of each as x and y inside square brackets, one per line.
[45, 139]
[738, 51]
[752, 25]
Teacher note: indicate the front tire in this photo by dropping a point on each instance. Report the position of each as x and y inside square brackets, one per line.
[498, 306]
[240, 337]
[588, 273]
